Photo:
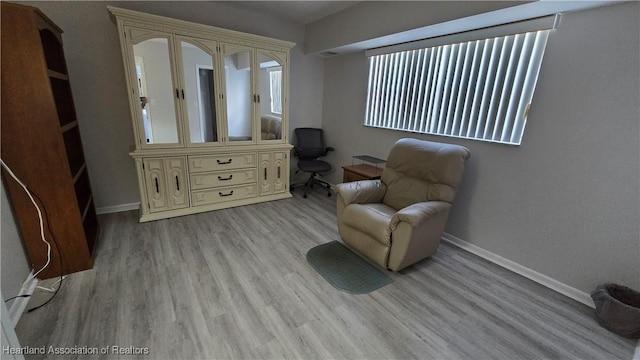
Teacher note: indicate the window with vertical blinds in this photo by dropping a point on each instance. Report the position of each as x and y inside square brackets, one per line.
[479, 89]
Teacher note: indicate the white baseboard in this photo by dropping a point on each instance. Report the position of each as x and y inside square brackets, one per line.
[541, 279]
[117, 208]
[18, 306]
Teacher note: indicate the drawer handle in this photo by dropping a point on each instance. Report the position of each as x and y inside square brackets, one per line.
[177, 183]
[157, 186]
[265, 173]
[225, 179]
[224, 162]
[278, 172]
[229, 194]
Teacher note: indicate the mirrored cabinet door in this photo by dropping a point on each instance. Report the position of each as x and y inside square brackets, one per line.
[238, 94]
[198, 90]
[270, 87]
[155, 87]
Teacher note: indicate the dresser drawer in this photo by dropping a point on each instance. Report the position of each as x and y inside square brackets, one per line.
[225, 194]
[222, 178]
[221, 162]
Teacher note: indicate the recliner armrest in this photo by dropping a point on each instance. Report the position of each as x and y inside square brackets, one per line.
[417, 213]
[361, 192]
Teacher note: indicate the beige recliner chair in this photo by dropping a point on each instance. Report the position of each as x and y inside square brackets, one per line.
[398, 220]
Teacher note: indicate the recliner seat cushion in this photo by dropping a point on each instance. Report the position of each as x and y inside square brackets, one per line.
[314, 166]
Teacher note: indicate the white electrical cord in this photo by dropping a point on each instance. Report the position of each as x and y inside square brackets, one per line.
[39, 216]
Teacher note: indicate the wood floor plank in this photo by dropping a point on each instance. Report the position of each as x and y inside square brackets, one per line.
[235, 284]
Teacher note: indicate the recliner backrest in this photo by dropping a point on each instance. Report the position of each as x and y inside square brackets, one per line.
[419, 170]
[309, 143]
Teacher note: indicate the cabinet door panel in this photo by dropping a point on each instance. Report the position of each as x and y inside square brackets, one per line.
[273, 172]
[177, 187]
[152, 61]
[199, 89]
[156, 184]
[238, 93]
[265, 174]
[280, 172]
[270, 87]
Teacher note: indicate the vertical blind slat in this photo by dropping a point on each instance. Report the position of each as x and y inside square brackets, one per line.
[423, 86]
[477, 94]
[516, 88]
[396, 89]
[446, 94]
[488, 68]
[505, 92]
[424, 116]
[461, 90]
[392, 87]
[406, 91]
[455, 85]
[370, 84]
[396, 93]
[529, 85]
[497, 85]
[378, 94]
[415, 85]
[386, 87]
[464, 119]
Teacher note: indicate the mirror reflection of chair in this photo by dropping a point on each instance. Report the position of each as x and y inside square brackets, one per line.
[398, 220]
[309, 147]
[270, 127]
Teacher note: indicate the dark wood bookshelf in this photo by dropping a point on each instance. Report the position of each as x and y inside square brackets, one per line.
[41, 143]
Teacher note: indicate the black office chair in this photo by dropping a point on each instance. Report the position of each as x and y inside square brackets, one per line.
[309, 147]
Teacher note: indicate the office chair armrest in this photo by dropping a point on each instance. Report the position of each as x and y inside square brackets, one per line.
[327, 149]
[361, 192]
[295, 151]
[417, 213]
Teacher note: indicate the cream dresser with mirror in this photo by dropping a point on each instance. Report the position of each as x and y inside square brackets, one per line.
[210, 114]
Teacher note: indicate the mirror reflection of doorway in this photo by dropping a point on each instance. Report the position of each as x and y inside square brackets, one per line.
[206, 104]
[142, 90]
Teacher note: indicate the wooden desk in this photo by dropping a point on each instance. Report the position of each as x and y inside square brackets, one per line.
[361, 172]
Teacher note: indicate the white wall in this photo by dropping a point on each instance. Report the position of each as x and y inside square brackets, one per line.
[14, 267]
[566, 202]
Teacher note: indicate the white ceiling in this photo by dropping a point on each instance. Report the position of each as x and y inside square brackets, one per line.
[301, 12]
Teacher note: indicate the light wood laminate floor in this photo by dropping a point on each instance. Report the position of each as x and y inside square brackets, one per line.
[234, 284]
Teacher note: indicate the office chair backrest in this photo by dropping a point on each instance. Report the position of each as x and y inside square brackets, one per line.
[309, 143]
